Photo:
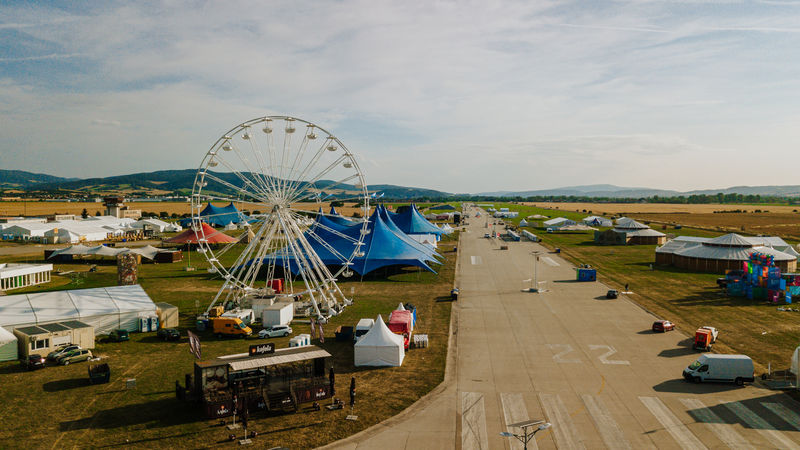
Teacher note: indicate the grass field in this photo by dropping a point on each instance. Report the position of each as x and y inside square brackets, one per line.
[650, 208]
[56, 408]
[689, 299]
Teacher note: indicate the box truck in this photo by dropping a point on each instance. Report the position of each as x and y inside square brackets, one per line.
[704, 338]
[712, 367]
[230, 326]
[280, 313]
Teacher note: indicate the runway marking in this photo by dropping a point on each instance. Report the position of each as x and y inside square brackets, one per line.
[754, 421]
[784, 413]
[514, 411]
[473, 422]
[549, 261]
[476, 260]
[675, 427]
[563, 428]
[559, 357]
[606, 425]
[724, 432]
[604, 357]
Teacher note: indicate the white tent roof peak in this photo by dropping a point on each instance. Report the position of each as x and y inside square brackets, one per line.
[400, 307]
[380, 336]
[731, 240]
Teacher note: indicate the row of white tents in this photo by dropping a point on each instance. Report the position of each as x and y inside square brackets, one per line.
[147, 251]
[90, 229]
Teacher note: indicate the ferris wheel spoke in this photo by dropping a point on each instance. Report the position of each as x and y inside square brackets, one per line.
[245, 181]
[315, 191]
[246, 193]
[327, 143]
[266, 178]
[312, 183]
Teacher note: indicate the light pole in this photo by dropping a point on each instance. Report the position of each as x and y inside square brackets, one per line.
[525, 437]
[535, 281]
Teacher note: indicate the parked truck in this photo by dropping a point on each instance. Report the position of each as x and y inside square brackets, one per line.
[230, 326]
[704, 338]
[713, 367]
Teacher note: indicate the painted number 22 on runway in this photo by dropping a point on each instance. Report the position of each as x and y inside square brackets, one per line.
[562, 350]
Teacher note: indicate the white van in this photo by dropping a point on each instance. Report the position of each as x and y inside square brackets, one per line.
[713, 367]
[362, 327]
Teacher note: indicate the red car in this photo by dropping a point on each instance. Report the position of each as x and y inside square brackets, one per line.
[662, 326]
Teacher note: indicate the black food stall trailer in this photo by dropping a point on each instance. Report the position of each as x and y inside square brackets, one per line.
[279, 381]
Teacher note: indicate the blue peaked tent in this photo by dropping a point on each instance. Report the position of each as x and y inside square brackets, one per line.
[381, 246]
[219, 216]
[411, 221]
[384, 214]
[336, 217]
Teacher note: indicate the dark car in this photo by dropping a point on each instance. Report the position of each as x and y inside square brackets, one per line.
[612, 293]
[33, 362]
[662, 326]
[119, 335]
[169, 334]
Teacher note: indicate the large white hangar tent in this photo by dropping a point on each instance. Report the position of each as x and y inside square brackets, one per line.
[8, 345]
[105, 309]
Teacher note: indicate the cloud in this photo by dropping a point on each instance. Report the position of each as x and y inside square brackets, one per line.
[106, 123]
[461, 96]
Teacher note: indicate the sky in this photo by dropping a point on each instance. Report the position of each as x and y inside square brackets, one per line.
[467, 96]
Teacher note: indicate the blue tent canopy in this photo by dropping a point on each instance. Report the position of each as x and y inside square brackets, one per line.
[383, 213]
[412, 222]
[336, 217]
[381, 247]
[219, 216]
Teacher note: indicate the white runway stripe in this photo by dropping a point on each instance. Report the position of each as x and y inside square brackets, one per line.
[549, 261]
[473, 422]
[754, 421]
[514, 411]
[724, 432]
[784, 413]
[606, 425]
[675, 427]
[476, 260]
[563, 428]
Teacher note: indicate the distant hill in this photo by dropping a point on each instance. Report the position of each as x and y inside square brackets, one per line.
[611, 191]
[175, 181]
[24, 180]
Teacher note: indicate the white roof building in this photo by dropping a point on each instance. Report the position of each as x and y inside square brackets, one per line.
[105, 309]
[15, 276]
[597, 221]
[558, 222]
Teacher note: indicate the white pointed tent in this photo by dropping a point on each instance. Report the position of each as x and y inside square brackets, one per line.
[8, 345]
[379, 347]
[400, 307]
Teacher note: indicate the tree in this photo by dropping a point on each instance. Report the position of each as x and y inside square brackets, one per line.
[97, 214]
[84, 213]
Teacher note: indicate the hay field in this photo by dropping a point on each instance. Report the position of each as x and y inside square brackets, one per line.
[651, 208]
[772, 220]
[37, 208]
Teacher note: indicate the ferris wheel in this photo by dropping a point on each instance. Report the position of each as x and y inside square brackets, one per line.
[265, 181]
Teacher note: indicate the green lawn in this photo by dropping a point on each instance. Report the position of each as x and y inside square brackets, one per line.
[55, 407]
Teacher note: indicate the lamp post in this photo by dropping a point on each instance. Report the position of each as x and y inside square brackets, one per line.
[525, 437]
[535, 281]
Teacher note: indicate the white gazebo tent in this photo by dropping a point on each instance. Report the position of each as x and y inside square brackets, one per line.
[379, 347]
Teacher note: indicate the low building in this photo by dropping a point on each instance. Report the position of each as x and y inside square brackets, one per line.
[15, 276]
[44, 338]
[630, 232]
[597, 221]
[727, 252]
[558, 222]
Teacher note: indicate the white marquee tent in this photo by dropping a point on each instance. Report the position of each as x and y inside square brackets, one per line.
[379, 347]
[103, 308]
[8, 345]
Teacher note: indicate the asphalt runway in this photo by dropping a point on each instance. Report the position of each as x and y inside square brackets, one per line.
[589, 366]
